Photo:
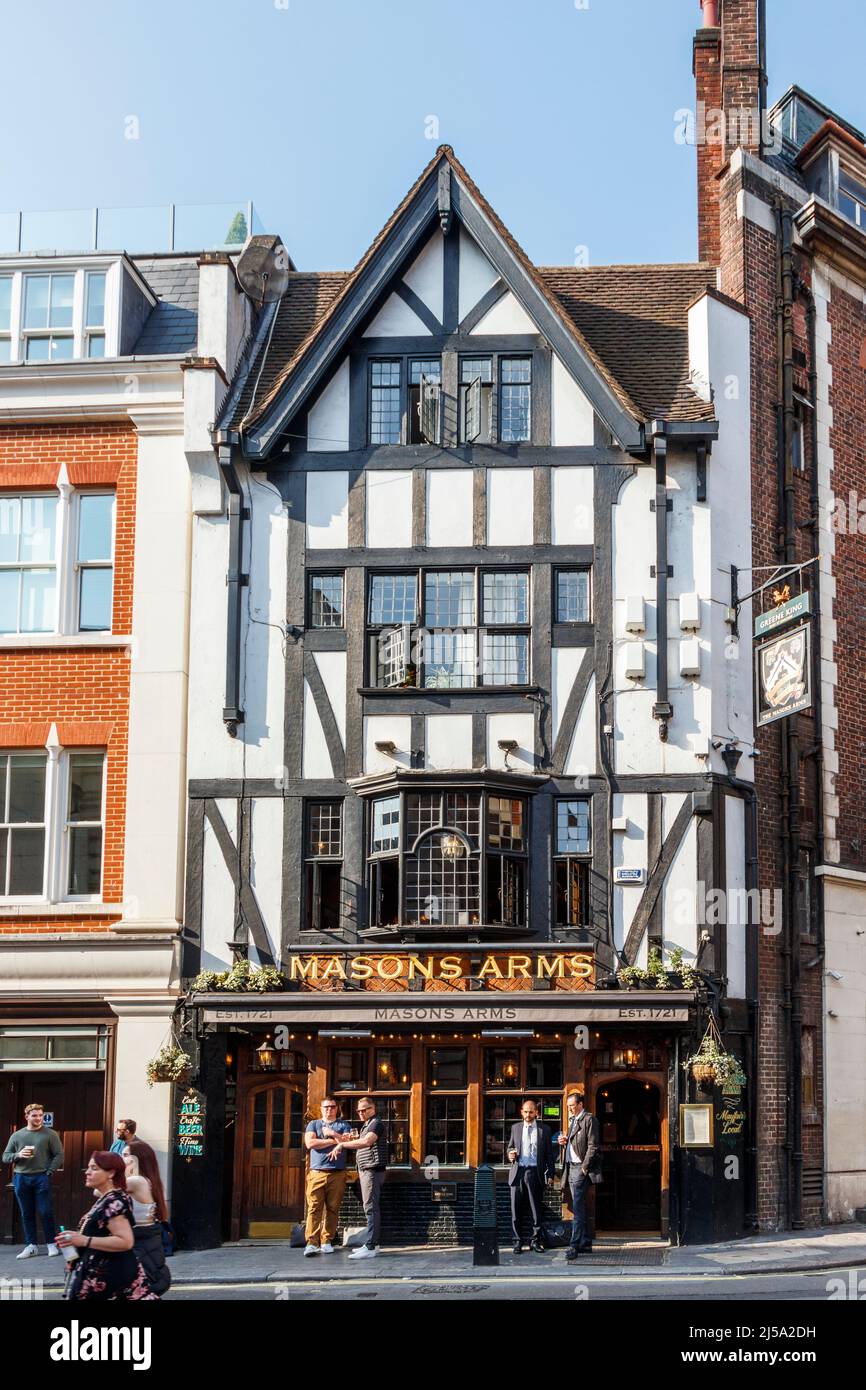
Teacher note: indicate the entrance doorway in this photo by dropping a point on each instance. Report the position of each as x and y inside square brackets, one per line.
[273, 1160]
[74, 1103]
[629, 1197]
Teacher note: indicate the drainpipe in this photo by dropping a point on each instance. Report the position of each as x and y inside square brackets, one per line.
[817, 698]
[233, 715]
[662, 709]
[790, 749]
[750, 796]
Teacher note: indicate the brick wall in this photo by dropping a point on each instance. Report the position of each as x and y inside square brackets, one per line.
[84, 690]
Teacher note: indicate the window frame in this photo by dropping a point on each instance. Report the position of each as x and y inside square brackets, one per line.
[521, 1091]
[582, 861]
[562, 570]
[313, 574]
[65, 826]
[56, 865]
[420, 632]
[17, 335]
[481, 851]
[855, 193]
[65, 563]
[9, 827]
[311, 898]
[501, 359]
[406, 389]
[380, 1094]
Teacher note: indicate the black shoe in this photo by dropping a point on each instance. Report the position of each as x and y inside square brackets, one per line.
[537, 1245]
[572, 1253]
[517, 1248]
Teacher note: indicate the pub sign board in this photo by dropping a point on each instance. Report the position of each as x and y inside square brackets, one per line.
[189, 1124]
[783, 681]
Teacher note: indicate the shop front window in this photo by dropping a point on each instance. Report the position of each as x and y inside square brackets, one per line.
[371, 1071]
[527, 1073]
[446, 1130]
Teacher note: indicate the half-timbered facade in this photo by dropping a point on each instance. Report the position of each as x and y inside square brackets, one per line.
[465, 710]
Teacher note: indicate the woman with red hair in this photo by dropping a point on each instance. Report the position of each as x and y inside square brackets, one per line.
[107, 1266]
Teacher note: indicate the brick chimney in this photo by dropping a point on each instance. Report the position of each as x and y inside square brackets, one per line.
[728, 67]
[707, 70]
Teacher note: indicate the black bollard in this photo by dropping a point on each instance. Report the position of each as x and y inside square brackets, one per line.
[485, 1240]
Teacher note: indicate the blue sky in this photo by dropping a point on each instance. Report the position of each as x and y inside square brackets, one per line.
[318, 110]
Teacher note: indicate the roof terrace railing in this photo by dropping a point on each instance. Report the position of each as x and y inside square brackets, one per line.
[139, 231]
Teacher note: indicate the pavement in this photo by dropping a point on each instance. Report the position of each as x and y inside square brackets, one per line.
[255, 1262]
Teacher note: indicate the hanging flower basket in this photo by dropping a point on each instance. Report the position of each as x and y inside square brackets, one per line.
[712, 1064]
[171, 1063]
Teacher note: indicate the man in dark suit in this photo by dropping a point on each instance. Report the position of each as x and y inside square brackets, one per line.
[580, 1158]
[533, 1163]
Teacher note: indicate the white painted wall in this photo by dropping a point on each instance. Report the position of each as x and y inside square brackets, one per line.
[315, 760]
[389, 507]
[327, 511]
[425, 274]
[582, 760]
[142, 1029]
[266, 859]
[328, 418]
[571, 415]
[383, 728]
[217, 905]
[332, 669]
[678, 897]
[509, 506]
[396, 320]
[448, 741]
[630, 850]
[565, 664]
[506, 316]
[477, 275]
[735, 864]
[572, 492]
[449, 506]
[505, 726]
[845, 1044]
[156, 771]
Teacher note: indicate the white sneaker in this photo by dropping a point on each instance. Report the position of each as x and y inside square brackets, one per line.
[311, 1250]
[364, 1252]
[28, 1252]
[52, 1249]
[327, 1248]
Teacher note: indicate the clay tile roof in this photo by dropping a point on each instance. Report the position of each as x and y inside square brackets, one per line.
[634, 319]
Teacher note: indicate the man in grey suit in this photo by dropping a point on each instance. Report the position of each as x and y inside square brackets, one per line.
[533, 1164]
[580, 1158]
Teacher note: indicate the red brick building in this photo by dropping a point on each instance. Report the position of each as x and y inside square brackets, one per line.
[782, 212]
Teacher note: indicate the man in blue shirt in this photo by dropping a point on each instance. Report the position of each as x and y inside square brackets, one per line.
[326, 1179]
[125, 1132]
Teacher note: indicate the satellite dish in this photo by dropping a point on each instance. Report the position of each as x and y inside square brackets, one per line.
[263, 269]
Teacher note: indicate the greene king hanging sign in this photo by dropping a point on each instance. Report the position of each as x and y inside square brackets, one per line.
[783, 683]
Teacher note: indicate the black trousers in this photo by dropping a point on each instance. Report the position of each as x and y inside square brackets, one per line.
[527, 1185]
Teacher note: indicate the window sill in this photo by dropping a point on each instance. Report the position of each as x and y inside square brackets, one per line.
[38, 908]
[44, 641]
[476, 690]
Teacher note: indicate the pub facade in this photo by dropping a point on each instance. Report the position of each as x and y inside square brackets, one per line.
[469, 787]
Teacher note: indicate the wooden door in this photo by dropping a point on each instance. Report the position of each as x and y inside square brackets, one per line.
[630, 1112]
[273, 1197]
[76, 1103]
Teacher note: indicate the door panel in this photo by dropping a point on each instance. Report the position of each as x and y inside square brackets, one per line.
[629, 1195]
[274, 1160]
[76, 1100]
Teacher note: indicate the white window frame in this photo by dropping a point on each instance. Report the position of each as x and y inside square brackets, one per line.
[56, 822]
[65, 562]
[54, 563]
[64, 826]
[45, 823]
[18, 335]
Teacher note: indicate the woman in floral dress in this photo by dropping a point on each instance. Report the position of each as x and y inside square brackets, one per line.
[107, 1266]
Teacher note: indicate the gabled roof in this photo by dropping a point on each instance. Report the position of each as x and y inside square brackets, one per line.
[621, 330]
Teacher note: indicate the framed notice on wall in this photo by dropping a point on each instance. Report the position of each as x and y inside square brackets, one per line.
[696, 1126]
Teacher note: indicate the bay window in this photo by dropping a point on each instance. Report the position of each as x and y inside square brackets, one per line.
[448, 859]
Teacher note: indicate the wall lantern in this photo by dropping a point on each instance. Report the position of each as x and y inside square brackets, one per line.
[264, 1056]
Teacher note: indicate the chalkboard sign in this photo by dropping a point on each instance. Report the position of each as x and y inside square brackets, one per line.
[189, 1126]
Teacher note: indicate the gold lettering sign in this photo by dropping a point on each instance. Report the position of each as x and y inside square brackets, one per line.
[317, 971]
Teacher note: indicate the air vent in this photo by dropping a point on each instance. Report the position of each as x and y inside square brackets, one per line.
[813, 1183]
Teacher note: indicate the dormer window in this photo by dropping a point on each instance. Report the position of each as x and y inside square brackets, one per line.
[852, 199]
[60, 314]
